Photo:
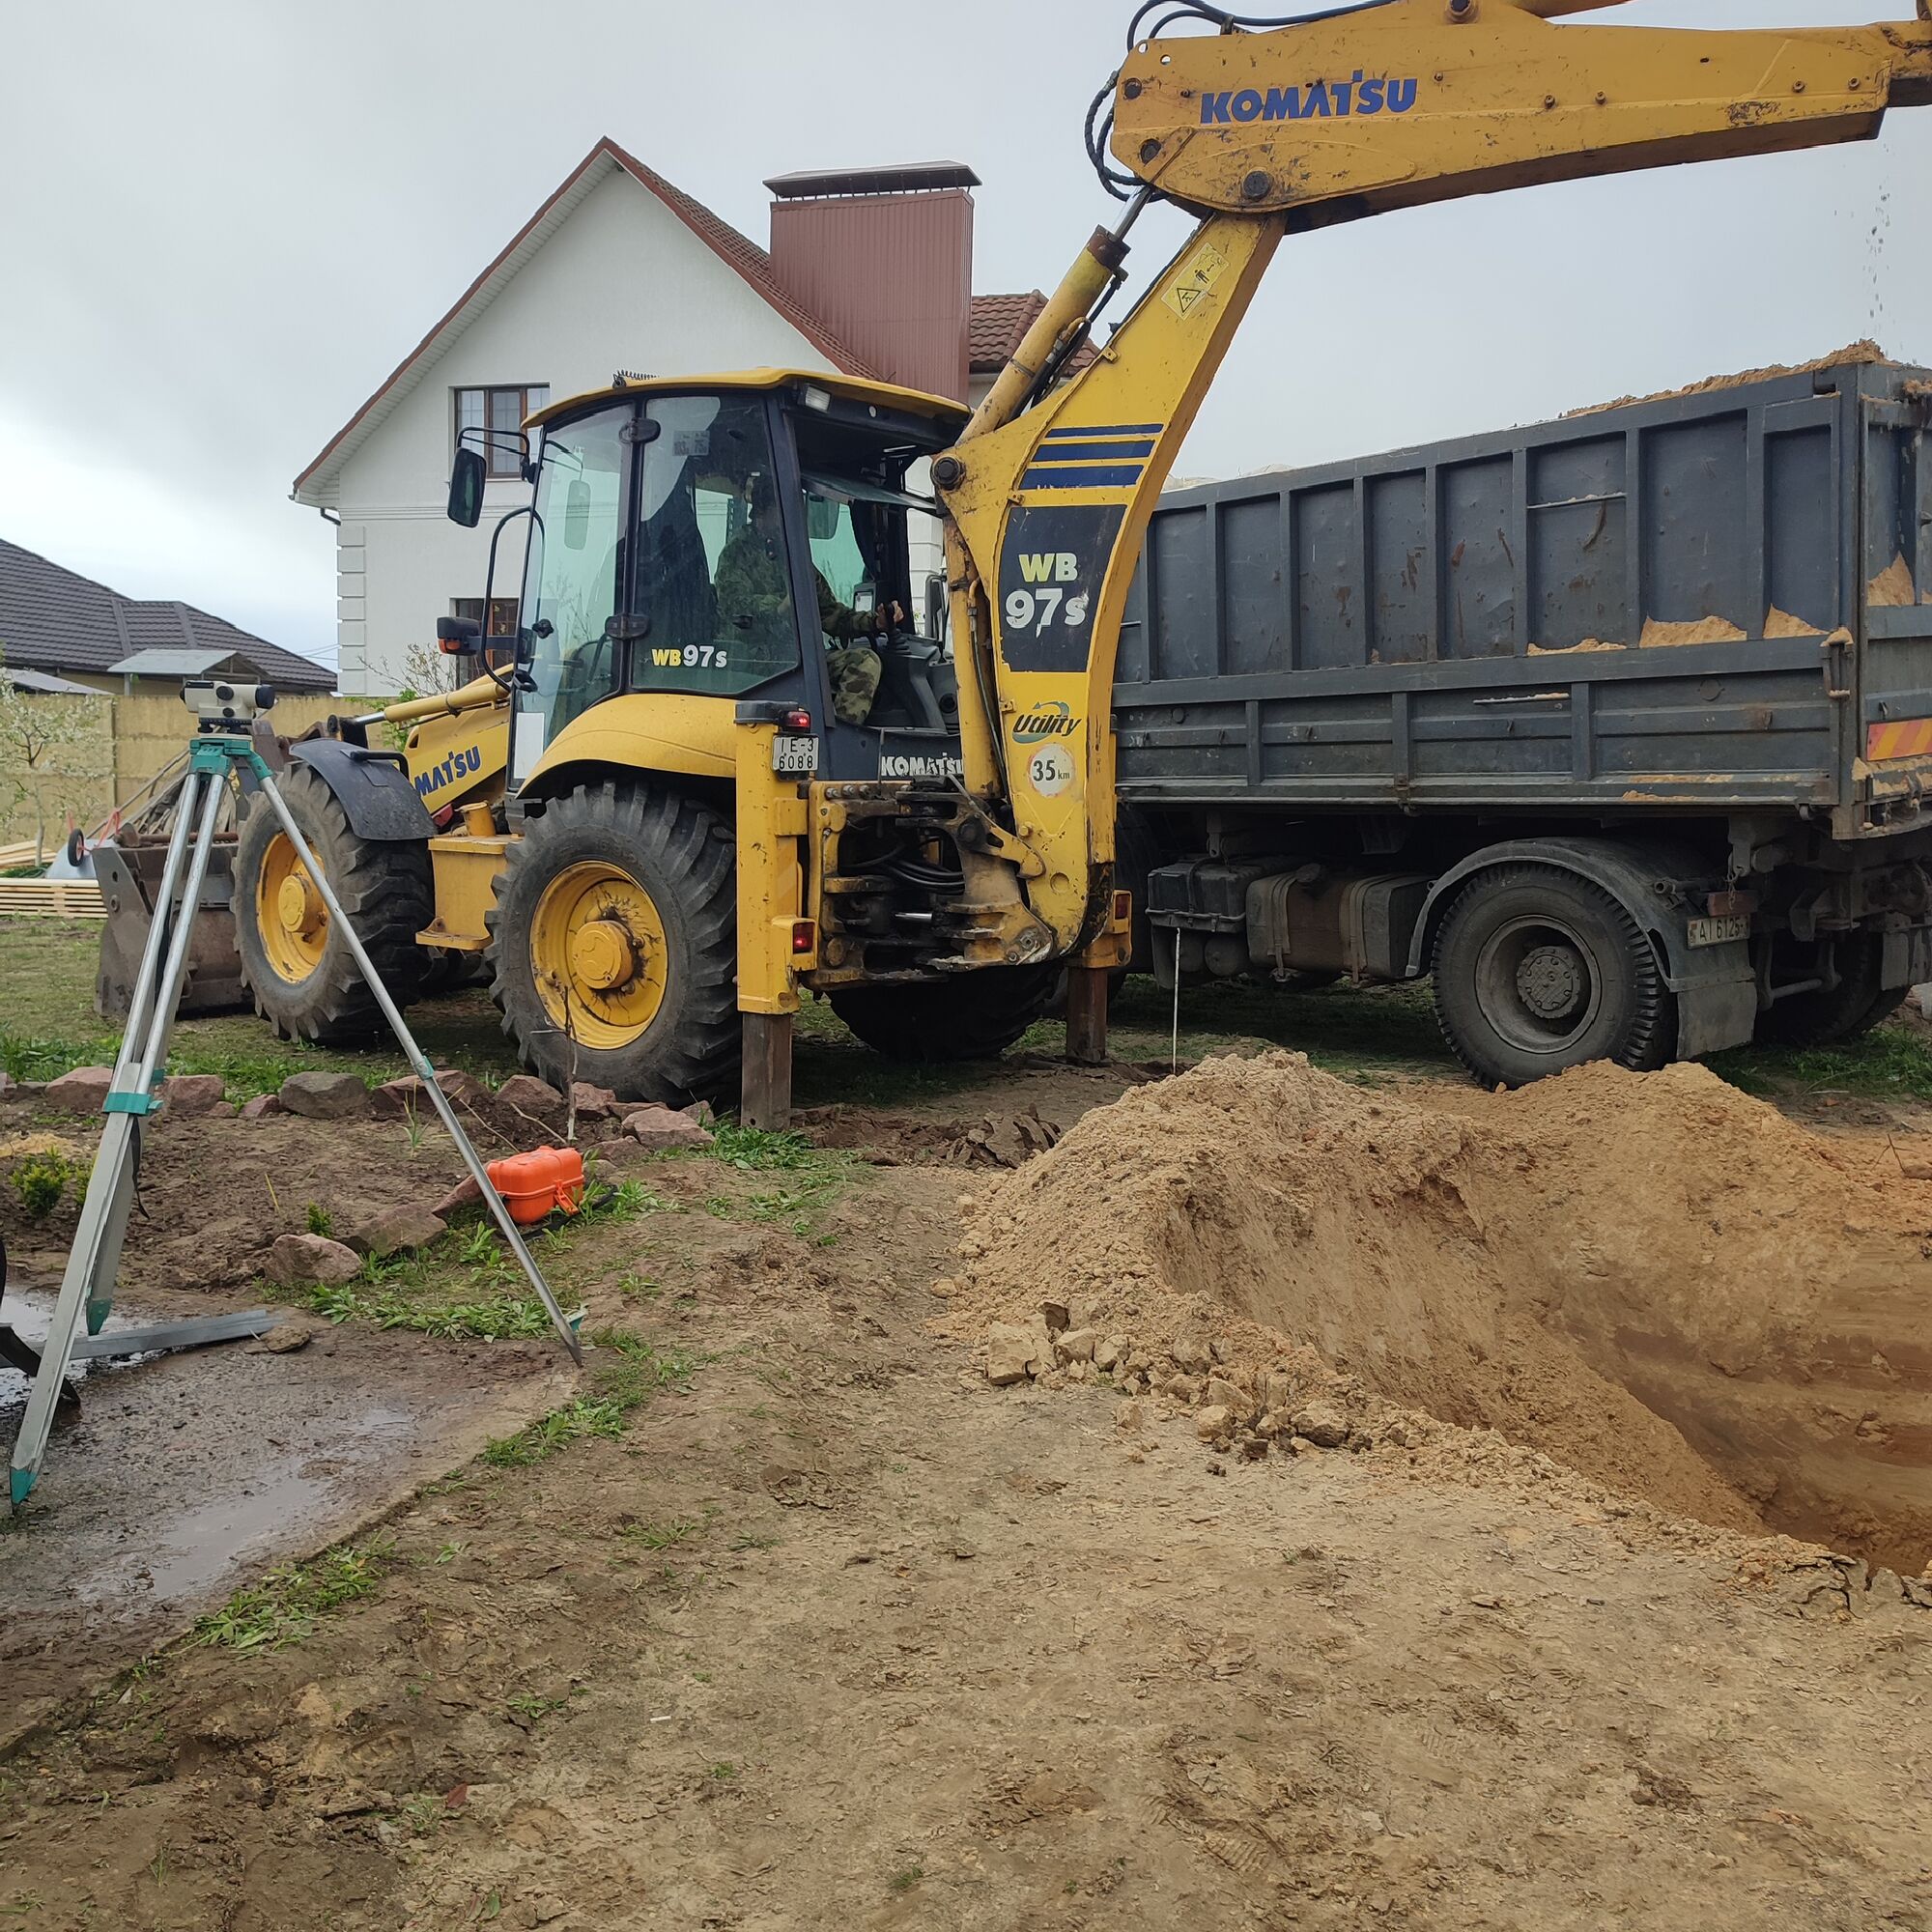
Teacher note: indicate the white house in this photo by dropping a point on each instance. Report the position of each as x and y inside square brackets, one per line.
[620, 270]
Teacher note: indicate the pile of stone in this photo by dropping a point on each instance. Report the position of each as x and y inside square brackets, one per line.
[1231, 1407]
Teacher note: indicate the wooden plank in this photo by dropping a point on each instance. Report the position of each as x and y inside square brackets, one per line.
[52, 898]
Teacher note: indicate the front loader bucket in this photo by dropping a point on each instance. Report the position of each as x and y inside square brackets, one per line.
[130, 869]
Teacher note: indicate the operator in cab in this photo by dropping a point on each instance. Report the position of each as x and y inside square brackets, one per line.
[752, 584]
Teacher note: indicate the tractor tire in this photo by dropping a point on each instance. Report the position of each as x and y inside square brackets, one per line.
[1537, 970]
[976, 1015]
[1851, 1009]
[613, 943]
[296, 965]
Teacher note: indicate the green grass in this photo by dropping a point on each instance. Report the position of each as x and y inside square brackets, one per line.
[286, 1605]
[1891, 1062]
[627, 1380]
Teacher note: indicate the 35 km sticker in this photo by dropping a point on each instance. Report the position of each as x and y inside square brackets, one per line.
[1049, 769]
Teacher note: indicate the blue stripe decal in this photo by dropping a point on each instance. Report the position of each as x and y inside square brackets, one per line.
[1096, 453]
[1074, 476]
[1106, 429]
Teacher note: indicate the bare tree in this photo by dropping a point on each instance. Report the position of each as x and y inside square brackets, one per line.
[37, 734]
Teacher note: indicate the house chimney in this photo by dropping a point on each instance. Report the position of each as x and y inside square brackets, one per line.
[884, 257]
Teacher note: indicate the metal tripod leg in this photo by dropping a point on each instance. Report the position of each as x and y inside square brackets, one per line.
[87, 1288]
[419, 1061]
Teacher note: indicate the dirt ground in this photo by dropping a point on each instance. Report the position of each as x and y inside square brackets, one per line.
[835, 1633]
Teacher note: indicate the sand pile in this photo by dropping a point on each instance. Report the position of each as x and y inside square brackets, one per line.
[1652, 1279]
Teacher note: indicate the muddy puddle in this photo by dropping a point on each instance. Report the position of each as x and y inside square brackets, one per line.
[182, 1475]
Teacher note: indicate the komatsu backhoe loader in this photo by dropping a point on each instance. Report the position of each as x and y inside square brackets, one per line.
[646, 813]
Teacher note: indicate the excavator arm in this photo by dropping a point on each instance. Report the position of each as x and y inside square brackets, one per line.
[1264, 132]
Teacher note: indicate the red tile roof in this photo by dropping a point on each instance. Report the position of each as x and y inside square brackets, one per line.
[996, 327]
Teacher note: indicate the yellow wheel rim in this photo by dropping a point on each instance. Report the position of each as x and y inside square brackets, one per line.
[289, 913]
[598, 955]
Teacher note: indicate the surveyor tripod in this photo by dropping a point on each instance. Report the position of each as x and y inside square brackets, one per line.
[233, 746]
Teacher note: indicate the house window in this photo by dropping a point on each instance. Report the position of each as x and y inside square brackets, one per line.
[501, 411]
[503, 615]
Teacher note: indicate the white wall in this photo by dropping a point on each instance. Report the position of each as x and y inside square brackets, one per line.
[622, 284]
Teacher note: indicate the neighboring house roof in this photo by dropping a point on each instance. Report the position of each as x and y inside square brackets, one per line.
[56, 620]
[181, 664]
[736, 250]
[42, 681]
[997, 324]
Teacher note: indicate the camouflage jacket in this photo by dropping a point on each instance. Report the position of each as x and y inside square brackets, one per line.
[751, 582]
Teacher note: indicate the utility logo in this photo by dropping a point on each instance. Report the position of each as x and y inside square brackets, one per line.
[1052, 719]
[1317, 102]
[459, 764]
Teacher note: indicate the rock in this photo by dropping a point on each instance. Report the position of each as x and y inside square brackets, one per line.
[465, 1194]
[524, 1099]
[1056, 1315]
[1130, 1415]
[1008, 1350]
[324, 1097]
[1254, 1447]
[1108, 1352]
[1077, 1344]
[1221, 1393]
[1139, 1362]
[1396, 1435]
[1222, 1350]
[1278, 1390]
[1186, 1391]
[1189, 1354]
[310, 1260]
[81, 1092]
[286, 1337]
[262, 1105]
[1325, 1427]
[185, 1093]
[700, 1111]
[1212, 1424]
[660, 1128]
[396, 1229]
[1274, 1421]
[593, 1103]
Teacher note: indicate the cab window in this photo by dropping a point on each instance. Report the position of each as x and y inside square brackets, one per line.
[712, 577]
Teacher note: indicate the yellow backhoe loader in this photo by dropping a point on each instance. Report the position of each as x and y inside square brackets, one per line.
[647, 813]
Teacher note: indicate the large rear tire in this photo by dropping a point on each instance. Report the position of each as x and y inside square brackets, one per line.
[296, 964]
[1833, 1015]
[976, 1015]
[1537, 970]
[613, 943]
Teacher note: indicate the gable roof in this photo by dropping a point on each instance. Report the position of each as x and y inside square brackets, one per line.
[53, 619]
[737, 251]
[997, 324]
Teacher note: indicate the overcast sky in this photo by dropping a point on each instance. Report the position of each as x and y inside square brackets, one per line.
[223, 221]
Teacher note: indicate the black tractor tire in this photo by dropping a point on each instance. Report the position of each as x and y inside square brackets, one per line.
[682, 854]
[449, 972]
[385, 886]
[1537, 970]
[973, 1015]
[1831, 1016]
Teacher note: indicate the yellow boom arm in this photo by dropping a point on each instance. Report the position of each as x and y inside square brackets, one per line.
[1266, 134]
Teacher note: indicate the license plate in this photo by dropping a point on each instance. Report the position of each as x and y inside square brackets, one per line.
[797, 755]
[1719, 932]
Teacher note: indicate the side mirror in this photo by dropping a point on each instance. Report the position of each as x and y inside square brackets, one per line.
[459, 636]
[467, 476]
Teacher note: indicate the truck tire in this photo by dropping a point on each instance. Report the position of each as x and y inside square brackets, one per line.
[1537, 970]
[1852, 1007]
[613, 943]
[295, 963]
[975, 1017]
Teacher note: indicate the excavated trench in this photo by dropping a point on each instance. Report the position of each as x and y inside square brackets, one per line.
[1652, 1279]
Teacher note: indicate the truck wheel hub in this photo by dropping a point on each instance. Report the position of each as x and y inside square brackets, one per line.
[603, 956]
[1551, 982]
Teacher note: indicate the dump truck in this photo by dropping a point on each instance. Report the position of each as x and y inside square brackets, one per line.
[1619, 726]
[686, 832]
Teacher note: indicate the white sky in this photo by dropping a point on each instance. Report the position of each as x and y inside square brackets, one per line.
[223, 221]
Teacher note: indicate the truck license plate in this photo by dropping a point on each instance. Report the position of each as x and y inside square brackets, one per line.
[796, 756]
[1719, 932]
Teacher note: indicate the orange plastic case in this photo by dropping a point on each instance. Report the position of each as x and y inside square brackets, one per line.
[537, 1184]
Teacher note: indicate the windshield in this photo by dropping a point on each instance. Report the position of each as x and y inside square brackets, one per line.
[572, 580]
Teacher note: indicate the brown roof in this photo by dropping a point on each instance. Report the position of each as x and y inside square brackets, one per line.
[996, 327]
[54, 620]
[736, 250]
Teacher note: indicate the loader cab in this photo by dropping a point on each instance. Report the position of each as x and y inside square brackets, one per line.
[679, 534]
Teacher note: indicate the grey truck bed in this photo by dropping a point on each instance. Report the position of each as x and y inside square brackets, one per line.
[1721, 600]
